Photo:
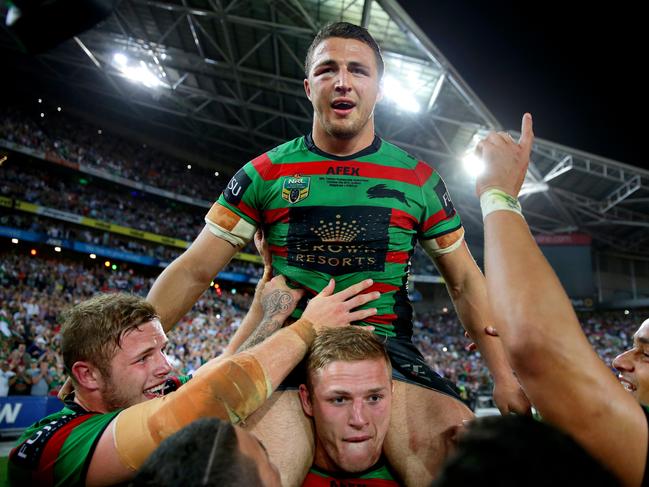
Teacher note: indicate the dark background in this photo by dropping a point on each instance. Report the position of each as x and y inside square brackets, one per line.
[578, 68]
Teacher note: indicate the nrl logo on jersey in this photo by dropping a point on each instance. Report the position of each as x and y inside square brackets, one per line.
[295, 188]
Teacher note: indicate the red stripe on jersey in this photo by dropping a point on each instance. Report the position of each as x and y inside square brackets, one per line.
[251, 212]
[361, 169]
[261, 164]
[402, 219]
[397, 257]
[277, 250]
[278, 215]
[381, 319]
[45, 473]
[435, 219]
[423, 171]
[381, 287]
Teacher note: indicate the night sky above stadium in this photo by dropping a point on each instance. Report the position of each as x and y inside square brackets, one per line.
[577, 69]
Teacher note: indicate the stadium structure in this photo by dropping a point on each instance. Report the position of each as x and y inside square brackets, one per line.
[215, 82]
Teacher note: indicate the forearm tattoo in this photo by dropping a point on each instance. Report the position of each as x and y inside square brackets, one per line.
[277, 302]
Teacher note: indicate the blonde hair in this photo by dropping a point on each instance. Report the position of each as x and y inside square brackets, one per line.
[92, 330]
[348, 344]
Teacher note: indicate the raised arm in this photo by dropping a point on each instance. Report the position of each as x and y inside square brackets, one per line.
[468, 290]
[180, 285]
[560, 372]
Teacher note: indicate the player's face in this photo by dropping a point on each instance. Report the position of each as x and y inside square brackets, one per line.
[350, 404]
[633, 365]
[139, 368]
[250, 446]
[343, 86]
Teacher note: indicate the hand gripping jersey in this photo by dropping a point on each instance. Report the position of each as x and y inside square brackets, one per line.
[56, 451]
[377, 476]
[350, 218]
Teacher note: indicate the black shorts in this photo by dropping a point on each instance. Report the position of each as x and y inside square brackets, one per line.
[408, 365]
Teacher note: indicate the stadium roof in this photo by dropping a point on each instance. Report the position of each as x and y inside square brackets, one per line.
[224, 78]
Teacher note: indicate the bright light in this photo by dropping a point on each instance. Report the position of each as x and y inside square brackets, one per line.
[99, 131]
[400, 95]
[216, 173]
[218, 316]
[57, 249]
[42, 115]
[33, 252]
[444, 349]
[234, 291]
[58, 109]
[93, 256]
[473, 164]
[107, 263]
[163, 56]
[40, 100]
[120, 59]
[444, 310]
[14, 240]
[114, 267]
[189, 166]
[626, 311]
[211, 283]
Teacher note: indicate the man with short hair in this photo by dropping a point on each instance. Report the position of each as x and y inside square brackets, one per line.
[124, 402]
[348, 393]
[208, 453]
[342, 202]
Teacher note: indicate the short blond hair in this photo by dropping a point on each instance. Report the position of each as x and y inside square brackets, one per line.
[348, 344]
[93, 329]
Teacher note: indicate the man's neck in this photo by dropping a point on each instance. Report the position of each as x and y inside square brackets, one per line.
[90, 402]
[339, 146]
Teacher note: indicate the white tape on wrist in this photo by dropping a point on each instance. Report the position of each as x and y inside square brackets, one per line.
[495, 200]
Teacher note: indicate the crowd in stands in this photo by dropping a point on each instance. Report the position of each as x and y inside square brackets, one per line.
[34, 291]
[78, 141]
[126, 208]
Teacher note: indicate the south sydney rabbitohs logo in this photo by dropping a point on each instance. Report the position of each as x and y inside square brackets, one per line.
[295, 188]
[338, 240]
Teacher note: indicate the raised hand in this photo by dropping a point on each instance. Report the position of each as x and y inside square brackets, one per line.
[506, 161]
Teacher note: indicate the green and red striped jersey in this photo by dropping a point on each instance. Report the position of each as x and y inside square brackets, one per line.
[350, 218]
[377, 476]
[56, 451]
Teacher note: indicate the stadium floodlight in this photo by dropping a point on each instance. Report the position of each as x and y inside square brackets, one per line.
[120, 59]
[473, 164]
[400, 95]
[137, 72]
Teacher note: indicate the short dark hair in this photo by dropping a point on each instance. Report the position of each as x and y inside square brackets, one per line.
[203, 453]
[518, 450]
[345, 30]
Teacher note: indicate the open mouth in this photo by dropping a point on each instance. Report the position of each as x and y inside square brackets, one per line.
[630, 387]
[343, 107]
[155, 391]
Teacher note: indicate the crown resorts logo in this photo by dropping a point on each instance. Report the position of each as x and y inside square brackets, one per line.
[340, 231]
[338, 240]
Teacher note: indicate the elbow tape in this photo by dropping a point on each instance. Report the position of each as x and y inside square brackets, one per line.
[230, 389]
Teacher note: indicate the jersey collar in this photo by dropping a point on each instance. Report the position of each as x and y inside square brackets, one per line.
[370, 149]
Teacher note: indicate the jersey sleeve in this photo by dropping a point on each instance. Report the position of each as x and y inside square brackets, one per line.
[237, 213]
[440, 228]
[58, 453]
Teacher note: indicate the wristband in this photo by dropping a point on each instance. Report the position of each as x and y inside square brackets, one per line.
[495, 200]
